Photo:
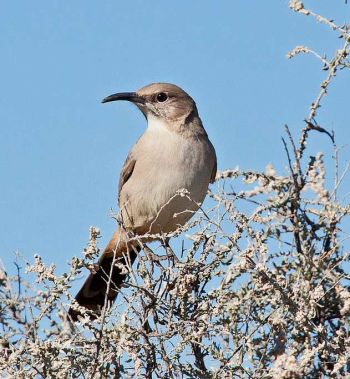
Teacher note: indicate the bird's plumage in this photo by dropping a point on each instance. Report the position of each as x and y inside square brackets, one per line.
[174, 153]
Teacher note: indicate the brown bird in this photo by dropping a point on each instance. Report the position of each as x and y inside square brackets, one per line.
[174, 153]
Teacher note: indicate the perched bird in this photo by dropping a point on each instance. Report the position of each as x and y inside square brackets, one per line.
[174, 153]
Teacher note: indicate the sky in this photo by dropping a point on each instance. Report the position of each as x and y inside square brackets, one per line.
[61, 150]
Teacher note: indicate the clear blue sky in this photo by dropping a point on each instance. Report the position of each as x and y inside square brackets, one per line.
[61, 150]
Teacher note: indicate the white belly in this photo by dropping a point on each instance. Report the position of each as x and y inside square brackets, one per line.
[165, 163]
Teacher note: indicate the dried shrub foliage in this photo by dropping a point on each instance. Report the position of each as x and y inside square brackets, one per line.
[259, 288]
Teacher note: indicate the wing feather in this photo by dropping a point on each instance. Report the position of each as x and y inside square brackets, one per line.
[126, 172]
[213, 173]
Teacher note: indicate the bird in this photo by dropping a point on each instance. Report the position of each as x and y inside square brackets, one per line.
[173, 155]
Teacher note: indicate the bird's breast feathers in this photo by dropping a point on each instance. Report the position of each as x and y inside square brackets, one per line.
[165, 163]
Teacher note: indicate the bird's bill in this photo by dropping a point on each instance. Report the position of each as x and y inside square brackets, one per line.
[128, 96]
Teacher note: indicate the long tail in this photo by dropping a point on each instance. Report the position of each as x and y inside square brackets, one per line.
[93, 293]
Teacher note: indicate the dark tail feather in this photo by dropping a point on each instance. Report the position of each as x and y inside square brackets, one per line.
[93, 292]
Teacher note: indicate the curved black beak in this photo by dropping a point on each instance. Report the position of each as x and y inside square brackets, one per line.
[128, 96]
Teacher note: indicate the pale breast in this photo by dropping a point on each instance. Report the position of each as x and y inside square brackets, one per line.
[165, 163]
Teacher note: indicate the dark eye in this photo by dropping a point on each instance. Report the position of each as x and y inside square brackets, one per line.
[161, 97]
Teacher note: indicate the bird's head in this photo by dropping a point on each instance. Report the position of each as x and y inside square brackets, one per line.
[162, 101]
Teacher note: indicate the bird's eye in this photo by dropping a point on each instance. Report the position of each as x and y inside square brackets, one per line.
[161, 97]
